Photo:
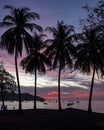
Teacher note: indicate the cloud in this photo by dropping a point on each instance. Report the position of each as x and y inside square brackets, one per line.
[52, 93]
[74, 92]
[72, 85]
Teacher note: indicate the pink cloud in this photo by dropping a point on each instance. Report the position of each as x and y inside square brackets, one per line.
[71, 95]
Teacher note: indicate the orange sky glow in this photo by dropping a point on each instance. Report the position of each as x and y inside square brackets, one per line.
[71, 95]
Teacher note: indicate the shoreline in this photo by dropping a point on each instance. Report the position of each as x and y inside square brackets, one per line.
[97, 106]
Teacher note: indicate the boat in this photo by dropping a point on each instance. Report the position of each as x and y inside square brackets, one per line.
[70, 104]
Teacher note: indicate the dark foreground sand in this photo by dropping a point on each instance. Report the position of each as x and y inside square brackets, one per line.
[69, 119]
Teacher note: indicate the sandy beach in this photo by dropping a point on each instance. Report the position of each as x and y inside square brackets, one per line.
[68, 119]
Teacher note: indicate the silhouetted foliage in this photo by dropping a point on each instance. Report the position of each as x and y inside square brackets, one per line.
[95, 15]
[90, 55]
[60, 49]
[17, 22]
[7, 83]
[36, 61]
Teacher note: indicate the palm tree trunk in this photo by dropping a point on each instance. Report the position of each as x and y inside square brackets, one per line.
[35, 90]
[59, 97]
[90, 96]
[2, 94]
[2, 98]
[17, 75]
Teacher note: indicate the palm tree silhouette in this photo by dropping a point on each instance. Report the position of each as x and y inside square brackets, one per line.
[17, 22]
[60, 49]
[36, 61]
[90, 55]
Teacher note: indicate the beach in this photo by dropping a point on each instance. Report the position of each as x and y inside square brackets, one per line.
[42, 119]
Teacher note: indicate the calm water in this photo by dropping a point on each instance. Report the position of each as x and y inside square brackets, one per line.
[97, 106]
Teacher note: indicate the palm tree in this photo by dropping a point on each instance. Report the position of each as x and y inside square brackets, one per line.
[90, 54]
[36, 61]
[60, 49]
[17, 22]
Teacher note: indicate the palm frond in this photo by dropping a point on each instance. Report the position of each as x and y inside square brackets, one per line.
[24, 10]
[32, 16]
[9, 7]
[6, 24]
[89, 52]
[8, 18]
[37, 27]
[52, 30]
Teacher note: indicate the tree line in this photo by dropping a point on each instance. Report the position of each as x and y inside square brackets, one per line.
[83, 51]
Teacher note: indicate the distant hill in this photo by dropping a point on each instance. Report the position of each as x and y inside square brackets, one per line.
[24, 97]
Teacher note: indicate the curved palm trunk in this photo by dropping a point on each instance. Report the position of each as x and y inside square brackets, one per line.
[35, 90]
[90, 96]
[59, 97]
[17, 75]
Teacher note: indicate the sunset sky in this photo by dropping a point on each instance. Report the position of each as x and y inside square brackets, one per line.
[51, 11]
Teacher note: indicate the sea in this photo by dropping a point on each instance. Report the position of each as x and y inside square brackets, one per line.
[97, 105]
